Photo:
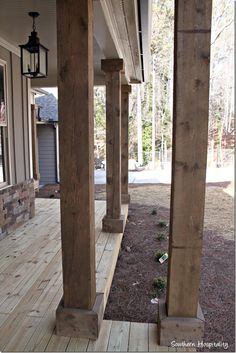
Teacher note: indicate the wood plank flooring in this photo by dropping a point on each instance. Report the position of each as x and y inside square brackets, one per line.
[31, 288]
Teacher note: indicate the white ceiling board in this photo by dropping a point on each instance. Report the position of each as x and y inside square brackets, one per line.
[16, 25]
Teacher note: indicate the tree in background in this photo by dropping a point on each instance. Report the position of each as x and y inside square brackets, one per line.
[221, 114]
[100, 122]
[154, 124]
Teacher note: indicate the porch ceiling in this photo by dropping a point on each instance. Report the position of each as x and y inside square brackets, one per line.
[119, 28]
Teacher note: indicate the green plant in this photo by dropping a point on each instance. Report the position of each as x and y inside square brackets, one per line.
[159, 254]
[161, 237]
[159, 284]
[154, 212]
[162, 224]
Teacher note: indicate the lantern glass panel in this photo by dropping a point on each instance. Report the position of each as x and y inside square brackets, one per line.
[26, 61]
[42, 61]
[30, 63]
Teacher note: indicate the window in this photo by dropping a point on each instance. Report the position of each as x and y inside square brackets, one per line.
[3, 127]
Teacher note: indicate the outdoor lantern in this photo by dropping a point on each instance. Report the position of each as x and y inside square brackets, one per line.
[34, 56]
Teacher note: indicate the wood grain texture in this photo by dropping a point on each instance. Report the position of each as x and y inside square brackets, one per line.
[125, 91]
[179, 329]
[79, 322]
[119, 336]
[75, 101]
[153, 340]
[35, 159]
[112, 70]
[31, 281]
[138, 339]
[190, 137]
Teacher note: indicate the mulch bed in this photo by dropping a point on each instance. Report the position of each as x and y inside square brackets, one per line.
[132, 286]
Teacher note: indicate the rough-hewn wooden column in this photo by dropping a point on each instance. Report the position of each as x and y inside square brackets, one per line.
[113, 221]
[35, 154]
[181, 318]
[79, 312]
[125, 91]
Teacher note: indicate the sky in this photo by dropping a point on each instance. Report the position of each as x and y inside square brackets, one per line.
[52, 90]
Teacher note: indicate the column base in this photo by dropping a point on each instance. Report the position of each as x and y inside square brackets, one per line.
[80, 323]
[111, 225]
[182, 330]
[125, 198]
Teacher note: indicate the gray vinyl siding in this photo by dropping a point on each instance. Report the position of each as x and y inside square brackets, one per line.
[18, 119]
[47, 154]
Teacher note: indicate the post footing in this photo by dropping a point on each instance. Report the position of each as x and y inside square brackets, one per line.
[179, 330]
[111, 225]
[125, 199]
[73, 322]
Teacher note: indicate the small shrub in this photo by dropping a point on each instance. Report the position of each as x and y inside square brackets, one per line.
[159, 284]
[154, 212]
[161, 237]
[159, 254]
[162, 224]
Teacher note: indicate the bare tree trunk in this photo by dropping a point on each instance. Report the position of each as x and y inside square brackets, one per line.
[162, 151]
[165, 153]
[139, 127]
[153, 114]
[211, 161]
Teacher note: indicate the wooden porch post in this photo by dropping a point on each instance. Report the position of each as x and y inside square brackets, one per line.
[181, 319]
[35, 155]
[125, 91]
[79, 313]
[113, 221]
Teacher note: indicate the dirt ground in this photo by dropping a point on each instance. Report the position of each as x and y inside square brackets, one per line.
[146, 234]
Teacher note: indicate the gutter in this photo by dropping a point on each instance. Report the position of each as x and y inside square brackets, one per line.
[140, 38]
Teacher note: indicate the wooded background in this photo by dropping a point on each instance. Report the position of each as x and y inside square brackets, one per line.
[150, 121]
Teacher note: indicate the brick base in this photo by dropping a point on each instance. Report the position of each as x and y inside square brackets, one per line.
[17, 205]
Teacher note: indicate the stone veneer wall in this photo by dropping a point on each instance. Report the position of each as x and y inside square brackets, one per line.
[17, 205]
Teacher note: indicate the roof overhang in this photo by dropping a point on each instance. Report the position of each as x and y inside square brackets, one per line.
[121, 30]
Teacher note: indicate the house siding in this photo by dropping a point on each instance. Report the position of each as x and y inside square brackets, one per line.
[17, 200]
[47, 154]
[18, 119]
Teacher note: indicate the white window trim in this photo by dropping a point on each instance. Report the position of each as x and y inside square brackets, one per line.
[6, 86]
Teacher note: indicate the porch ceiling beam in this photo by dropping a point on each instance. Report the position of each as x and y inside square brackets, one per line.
[80, 311]
[183, 319]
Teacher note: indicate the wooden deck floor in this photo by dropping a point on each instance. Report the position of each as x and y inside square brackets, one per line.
[31, 288]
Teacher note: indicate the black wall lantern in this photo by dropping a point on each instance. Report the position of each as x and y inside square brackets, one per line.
[34, 56]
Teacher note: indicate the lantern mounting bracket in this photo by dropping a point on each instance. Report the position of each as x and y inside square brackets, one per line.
[34, 15]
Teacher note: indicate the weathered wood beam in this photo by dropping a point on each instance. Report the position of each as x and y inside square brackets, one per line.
[35, 155]
[113, 220]
[182, 319]
[125, 91]
[78, 313]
